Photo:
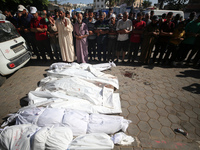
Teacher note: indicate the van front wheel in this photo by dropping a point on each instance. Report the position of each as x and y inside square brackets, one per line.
[2, 80]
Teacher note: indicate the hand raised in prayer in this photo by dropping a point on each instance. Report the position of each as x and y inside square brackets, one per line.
[65, 22]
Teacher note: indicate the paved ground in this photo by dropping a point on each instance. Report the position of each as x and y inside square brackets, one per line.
[157, 100]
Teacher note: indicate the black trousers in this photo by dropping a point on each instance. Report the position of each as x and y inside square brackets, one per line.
[134, 48]
[102, 46]
[173, 50]
[160, 47]
[31, 42]
[92, 48]
[183, 51]
[112, 45]
[44, 46]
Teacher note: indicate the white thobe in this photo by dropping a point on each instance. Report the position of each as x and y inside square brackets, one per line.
[65, 39]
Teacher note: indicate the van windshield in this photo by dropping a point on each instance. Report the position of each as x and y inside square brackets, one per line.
[7, 32]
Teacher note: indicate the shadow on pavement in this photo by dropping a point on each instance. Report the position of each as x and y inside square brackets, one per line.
[35, 62]
[194, 88]
[190, 73]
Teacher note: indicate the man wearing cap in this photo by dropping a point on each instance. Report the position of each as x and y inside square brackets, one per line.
[112, 38]
[64, 27]
[101, 29]
[24, 30]
[81, 33]
[39, 27]
[151, 33]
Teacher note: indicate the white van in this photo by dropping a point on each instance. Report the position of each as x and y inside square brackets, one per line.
[160, 12]
[13, 50]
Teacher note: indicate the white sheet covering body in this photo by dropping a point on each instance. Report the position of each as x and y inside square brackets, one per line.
[17, 137]
[74, 86]
[93, 141]
[57, 138]
[107, 124]
[79, 122]
[61, 100]
[99, 67]
[29, 136]
[89, 73]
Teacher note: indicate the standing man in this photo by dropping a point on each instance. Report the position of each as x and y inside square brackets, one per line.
[136, 35]
[92, 36]
[56, 15]
[53, 37]
[65, 28]
[81, 33]
[151, 33]
[124, 27]
[112, 38]
[147, 19]
[26, 33]
[67, 14]
[101, 29]
[151, 14]
[39, 27]
[192, 30]
[166, 31]
[85, 16]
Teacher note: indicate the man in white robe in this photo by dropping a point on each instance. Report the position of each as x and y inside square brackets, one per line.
[64, 27]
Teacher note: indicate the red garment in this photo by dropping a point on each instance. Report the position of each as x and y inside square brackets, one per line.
[135, 38]
[39, 23]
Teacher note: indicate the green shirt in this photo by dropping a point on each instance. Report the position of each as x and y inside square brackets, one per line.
[192, 27]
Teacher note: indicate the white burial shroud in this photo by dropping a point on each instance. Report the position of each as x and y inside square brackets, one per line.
[81, 124]
[29, 136]
[61, 100]
[91, 73]
[92, 141]
[74, 86]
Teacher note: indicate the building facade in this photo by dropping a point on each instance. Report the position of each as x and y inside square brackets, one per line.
[99, 4]
[137, 3]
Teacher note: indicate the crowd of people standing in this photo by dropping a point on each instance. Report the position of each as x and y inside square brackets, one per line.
[140, 37]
